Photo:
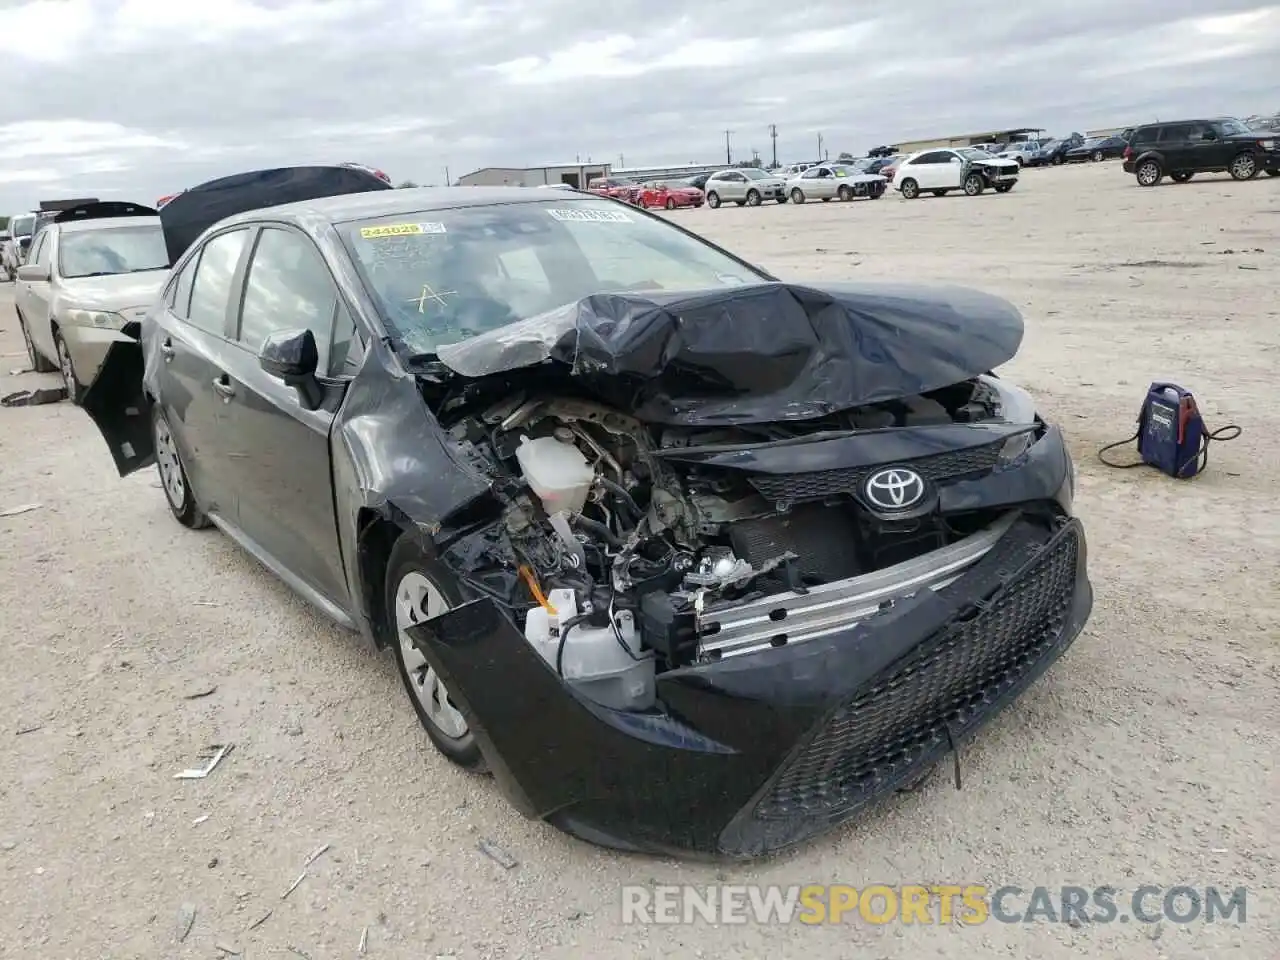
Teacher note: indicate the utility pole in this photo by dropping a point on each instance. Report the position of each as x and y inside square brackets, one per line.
[622, 161]
[819, 148]
[447, 182]
[773, 135]
[728, 150]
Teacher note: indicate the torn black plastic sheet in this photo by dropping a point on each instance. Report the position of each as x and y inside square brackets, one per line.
[759, 353]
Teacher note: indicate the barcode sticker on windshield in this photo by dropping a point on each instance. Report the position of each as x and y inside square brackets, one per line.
[400, 230]
[591, 216]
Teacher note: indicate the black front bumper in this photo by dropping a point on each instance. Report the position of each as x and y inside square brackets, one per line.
[753, 754]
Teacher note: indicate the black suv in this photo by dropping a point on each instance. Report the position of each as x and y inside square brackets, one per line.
[1184, 148]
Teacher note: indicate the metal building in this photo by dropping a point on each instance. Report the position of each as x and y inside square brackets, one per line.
[574, 174]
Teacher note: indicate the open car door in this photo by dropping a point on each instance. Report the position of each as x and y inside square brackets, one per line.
[118, 401]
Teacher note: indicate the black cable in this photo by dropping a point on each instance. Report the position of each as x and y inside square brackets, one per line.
[621, 493]
[598, 528]
[564, 633]
[1201, 456]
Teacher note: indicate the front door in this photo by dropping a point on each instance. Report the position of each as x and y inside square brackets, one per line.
[192, 342]
[278, 450]
[34, 296]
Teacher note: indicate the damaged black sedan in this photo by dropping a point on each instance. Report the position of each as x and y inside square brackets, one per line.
[691, 559]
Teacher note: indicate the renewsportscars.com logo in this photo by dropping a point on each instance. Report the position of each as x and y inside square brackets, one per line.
[935, 904]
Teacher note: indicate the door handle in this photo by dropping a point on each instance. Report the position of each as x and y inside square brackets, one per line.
[224, 387]
[166, 350]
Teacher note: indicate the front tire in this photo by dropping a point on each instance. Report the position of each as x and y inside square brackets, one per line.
[844, 192]
[173, 475]
[910, 189]
[75, 392]
[419, 588]
[974, 185]
[797, 195]
[1243, 167]
[1149, 173]
[753, 198]
[713, 200]
[671, 203]
[1097, 156]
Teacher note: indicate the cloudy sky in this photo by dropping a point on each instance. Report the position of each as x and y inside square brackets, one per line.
[138, 98]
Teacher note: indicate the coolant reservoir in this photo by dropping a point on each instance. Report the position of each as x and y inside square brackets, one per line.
[558, 473]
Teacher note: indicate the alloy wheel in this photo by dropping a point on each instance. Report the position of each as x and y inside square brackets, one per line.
[170, 466]
[1244, 167]
[1148, 173]
[418, 599]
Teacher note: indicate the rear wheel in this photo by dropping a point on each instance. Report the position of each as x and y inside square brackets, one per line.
[910, 189]
[753, 198]
[1149, 173]
[713, 200]
[1096, 157]
[173, 476]
[419, 588]
[1243, 167]
[1181, 176]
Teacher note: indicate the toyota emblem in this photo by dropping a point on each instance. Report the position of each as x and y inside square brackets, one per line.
[895, 488]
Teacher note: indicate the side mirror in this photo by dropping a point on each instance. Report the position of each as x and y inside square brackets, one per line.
[33, 272]
[292, 356]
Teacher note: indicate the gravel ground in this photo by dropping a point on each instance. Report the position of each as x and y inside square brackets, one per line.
[1146, 756]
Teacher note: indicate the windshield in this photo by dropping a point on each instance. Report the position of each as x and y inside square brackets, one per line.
[448, 275]
[973, 153]
[752, 173]
[112, 250]
[1233, 126]
[21, 226]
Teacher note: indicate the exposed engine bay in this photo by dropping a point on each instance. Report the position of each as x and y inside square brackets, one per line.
[631, 558]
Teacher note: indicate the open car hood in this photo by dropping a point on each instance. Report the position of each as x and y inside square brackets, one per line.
[759, 353]
[186, 216]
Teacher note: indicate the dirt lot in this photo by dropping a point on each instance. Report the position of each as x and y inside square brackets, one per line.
[1146, 756]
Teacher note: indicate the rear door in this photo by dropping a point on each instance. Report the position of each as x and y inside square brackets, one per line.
[278, 451]
[1175, 144]
[193, 345]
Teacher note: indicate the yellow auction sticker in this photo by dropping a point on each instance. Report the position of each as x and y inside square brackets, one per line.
[400, 230]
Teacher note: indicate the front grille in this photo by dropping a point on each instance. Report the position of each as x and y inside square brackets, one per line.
[940, 468]
[948, 685]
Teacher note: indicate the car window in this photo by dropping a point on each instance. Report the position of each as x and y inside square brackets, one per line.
[21, 226]
[1229, 127]
[44, 250]
[810, 174]
[287, 287]
[474, 269]
[180, 292]
[111, 251]
[347, 350]
[1175, 133]
[211, 289]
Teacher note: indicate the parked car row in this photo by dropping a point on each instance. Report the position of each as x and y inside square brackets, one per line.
[419, 409]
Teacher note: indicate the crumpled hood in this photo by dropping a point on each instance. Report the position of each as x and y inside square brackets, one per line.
[758, 353]
[114, 293]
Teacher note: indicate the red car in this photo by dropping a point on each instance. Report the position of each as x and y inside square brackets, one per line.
[669, 196]
[615, 190]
